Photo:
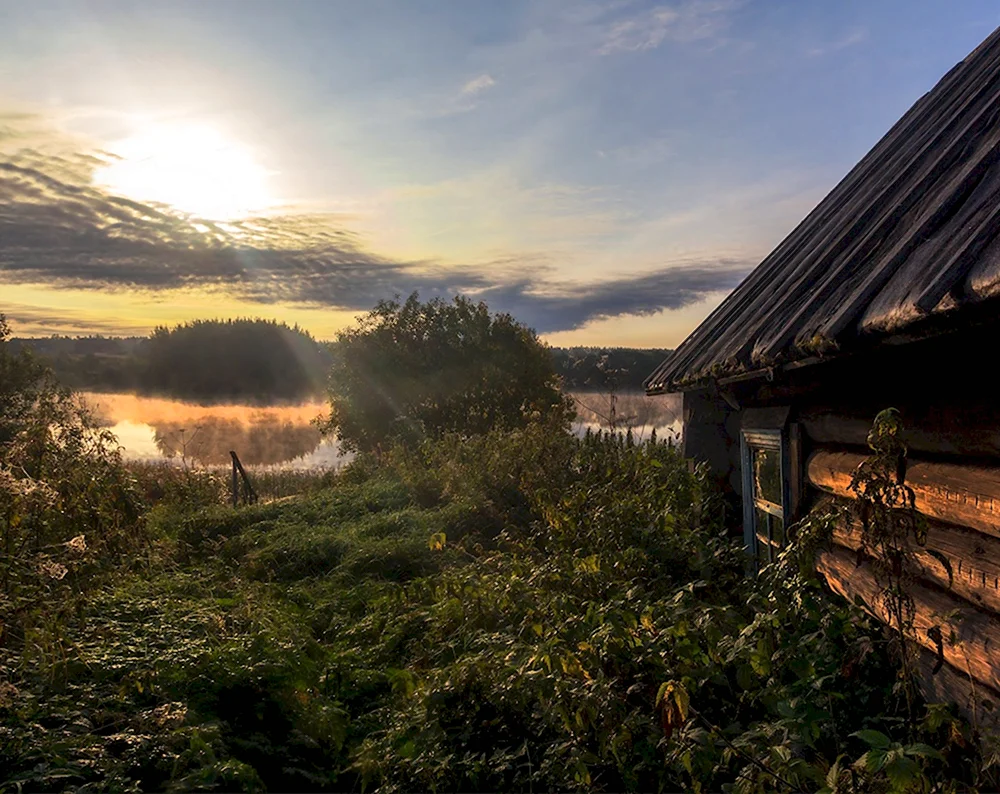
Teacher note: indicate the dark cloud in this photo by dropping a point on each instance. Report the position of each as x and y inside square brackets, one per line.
[57, 228]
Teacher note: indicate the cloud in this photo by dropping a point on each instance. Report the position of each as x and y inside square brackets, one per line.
[58, 229]
[672, 287]
[858, 36]
[691, 21]
[478, 84]
[34, 321]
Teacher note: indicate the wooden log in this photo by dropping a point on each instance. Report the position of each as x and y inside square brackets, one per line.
[969, 429]
[971, 639]
[975, 701]
[974, 559]
[965, 495]
[235, 483]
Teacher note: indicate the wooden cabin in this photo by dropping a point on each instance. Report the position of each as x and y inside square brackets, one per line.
[886, 294]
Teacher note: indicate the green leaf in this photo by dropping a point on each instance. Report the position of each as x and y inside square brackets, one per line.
[408, 749]
[922, 750]
[902, 773]
[873, 738]
[874, 760]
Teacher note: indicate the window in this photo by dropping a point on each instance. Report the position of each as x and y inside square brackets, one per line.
[763, 494]
[770, 453]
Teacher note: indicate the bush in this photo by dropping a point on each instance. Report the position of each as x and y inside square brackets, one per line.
[415, 370]
[68, 507]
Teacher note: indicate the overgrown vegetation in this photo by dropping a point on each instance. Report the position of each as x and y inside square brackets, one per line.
[513, 610]
[886, 507]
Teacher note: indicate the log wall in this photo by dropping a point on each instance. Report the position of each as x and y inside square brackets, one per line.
[958, 573]
[954, 559]
[938, 429]
[971, 638]
[964, 495]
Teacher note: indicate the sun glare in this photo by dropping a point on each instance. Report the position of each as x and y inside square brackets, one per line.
[194, 169]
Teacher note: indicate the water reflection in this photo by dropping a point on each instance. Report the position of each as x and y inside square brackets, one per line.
[260, 439]
[286, 436]
[156, 429]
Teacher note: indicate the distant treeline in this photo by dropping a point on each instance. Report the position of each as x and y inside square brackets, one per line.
[264, 361]
[206, 361]
[604, 368]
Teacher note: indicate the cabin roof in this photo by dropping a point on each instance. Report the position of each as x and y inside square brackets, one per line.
[911, 233]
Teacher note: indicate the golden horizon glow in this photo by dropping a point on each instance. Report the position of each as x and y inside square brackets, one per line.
[193, 168]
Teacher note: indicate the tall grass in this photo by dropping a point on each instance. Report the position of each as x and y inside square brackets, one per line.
[195, 486]
[515, 611]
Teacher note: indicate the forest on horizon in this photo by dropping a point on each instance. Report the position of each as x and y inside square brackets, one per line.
[268, 361]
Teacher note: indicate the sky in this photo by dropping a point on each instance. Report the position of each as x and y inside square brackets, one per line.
[605, 170]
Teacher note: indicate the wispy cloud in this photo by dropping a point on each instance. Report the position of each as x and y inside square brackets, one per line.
[691, 21]
[33, 320]
[855, 37]
[478, 84]
[58, 229]
[467, 99]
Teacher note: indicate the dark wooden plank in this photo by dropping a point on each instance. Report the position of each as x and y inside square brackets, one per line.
[920, 161]
[942, 270]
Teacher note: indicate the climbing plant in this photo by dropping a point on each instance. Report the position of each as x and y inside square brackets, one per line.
[890, 527]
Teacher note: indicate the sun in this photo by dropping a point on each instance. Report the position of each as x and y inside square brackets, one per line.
[193, 168]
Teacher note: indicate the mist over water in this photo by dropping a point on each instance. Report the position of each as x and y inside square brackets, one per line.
[287, 435]
[159, 429]
[629, 411]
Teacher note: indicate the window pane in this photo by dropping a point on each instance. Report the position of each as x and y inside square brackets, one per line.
[761, 521]
[767, 474]
[777, 531]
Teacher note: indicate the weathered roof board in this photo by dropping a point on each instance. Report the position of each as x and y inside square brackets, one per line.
[912, 231]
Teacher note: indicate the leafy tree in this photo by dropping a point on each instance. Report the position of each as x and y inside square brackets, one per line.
[412, 370]
[21, 377]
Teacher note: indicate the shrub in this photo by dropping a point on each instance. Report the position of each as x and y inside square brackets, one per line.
[413, 370]
[68, 506]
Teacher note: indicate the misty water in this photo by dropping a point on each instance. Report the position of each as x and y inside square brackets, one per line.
[287, 436]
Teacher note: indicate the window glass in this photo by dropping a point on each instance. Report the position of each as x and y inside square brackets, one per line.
[777, 531]
[763, 494]
[762, 521]
[766, 465]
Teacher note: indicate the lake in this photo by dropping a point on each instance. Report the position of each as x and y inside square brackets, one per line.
[286, 436]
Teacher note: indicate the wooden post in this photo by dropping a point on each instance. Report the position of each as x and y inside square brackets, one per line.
[236, 482]
[251, 494]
